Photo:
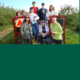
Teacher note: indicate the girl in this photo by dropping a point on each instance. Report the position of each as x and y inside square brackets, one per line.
[56, 31]
[51, 12]
[34, 17]
[26, 30]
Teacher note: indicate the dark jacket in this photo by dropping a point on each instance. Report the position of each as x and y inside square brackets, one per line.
[40, 14]
[36, 11]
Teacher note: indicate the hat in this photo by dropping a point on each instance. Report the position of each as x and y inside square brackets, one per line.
[43, 4]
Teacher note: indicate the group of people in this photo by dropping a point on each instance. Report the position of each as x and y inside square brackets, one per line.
[40, 17]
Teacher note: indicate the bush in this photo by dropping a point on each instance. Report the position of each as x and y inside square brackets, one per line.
[6, 14]
[72, 16]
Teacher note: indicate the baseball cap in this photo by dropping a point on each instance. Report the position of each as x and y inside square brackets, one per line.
[42, 4]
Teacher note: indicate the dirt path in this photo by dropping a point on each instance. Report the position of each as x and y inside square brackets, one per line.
[5, 32]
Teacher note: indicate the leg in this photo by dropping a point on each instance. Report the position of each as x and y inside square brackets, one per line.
[34, 30]
[49, 40]
[36, 27]
[40, 39]
[47, 36]
[58, 41]
[23, 41]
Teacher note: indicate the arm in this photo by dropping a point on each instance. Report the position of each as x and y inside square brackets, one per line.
[47, 15]
[31, 31]
[46, 33]
[30, 10]
[47, 30]
[55, 13]
[37, 11]
[21, 30]
[40, 31]
[37, 17]
[60, 31]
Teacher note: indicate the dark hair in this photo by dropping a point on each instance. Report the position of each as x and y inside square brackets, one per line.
[29, 22]
[33, 2]
[31, 8]
[23, 11]
[17, 13]
[42, 4]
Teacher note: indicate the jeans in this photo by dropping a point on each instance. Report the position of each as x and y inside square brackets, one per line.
[51, 40]
[41, 38]
[35, 30]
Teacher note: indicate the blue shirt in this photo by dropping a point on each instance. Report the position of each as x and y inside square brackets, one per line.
[43, 11]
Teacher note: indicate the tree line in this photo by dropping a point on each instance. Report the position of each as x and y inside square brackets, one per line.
[6, 14]
[71, 13]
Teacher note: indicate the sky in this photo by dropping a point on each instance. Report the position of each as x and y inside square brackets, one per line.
[26, 4]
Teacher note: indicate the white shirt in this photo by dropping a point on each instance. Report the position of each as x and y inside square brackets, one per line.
[49, 13]
[32, 17]
[46, 28]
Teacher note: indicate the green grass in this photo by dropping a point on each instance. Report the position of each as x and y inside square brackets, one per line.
[72, 28]
[72, 37]
[5, 27]
[9, 39]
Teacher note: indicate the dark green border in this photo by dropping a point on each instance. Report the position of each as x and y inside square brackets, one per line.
[79, 23]
[40, 62]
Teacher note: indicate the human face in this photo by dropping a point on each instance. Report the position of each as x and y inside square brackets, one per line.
[19, 15]
[51, 8]
[54, 20]
[43, 23]
[32, 10]
[27, 18]
[23, 13]
[34, 4]
[43, 6]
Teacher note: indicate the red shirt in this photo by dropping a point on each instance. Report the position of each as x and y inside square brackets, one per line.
[35, 9]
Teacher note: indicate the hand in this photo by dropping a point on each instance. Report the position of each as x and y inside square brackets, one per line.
[43, 36]
[52, 30]
[25, 38]
[35, 16]
[53, 33]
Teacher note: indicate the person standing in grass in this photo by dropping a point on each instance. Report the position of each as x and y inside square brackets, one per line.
[34, 7]
[56, 31]
[26, 30]
[43, 32]
[34, 17]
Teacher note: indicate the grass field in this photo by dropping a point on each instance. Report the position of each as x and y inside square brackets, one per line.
[72, 37]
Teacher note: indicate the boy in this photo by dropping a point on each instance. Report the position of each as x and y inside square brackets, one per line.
[34, 7]
[43, 32]
[42, 12]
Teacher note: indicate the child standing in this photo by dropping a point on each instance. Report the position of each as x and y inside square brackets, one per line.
[34, 17]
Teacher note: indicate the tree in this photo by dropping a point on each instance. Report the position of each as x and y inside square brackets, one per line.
[71, 14]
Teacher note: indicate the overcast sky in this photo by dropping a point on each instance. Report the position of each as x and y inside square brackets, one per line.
[26, 4]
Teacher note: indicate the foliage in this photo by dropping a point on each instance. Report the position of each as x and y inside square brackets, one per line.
[6, 14]
[71, 14]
